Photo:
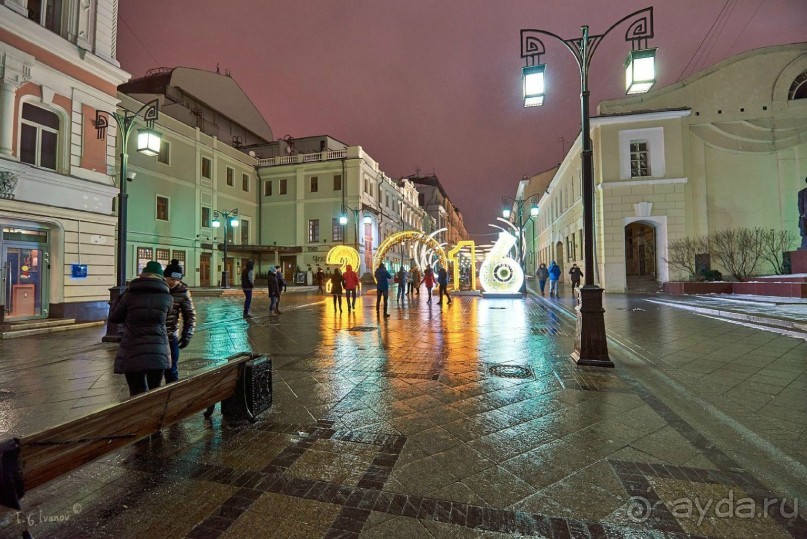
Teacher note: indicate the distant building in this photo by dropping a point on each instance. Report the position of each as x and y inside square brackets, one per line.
[724, 148]
[434, 199]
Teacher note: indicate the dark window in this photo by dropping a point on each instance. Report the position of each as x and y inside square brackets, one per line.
[798, 88]
[283, 187]
[162, 208]
[230, 177]
[314, 184]
[337, 230]
[164, 156]
[47, 13]
[207, 166]
[39, 136]
[205, 217]
[337, 182]
[267, 188]
[244, 232]
[245, 182]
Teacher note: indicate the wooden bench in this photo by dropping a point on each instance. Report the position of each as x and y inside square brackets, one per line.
[243, 386]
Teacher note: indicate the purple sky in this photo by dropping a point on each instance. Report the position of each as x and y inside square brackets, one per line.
[435, 84]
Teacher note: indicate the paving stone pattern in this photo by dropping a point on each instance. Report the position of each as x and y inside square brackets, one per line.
[411, 426]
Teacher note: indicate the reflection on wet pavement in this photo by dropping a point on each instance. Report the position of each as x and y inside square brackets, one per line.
[440, 421]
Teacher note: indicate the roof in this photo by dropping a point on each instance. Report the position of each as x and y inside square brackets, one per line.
[220, 92]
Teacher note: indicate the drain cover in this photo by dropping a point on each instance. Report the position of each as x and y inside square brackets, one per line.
[362, 328]
[510, 371]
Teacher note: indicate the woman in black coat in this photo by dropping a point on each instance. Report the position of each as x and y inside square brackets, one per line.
[143, 354]
[337, 282]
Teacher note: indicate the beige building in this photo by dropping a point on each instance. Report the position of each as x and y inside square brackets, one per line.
[57, 177]
[724, 148]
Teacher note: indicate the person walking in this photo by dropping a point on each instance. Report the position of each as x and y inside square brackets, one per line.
[402, 283]
[337, 282]
[542, 274]
[274, 290]
[143, 354]
[575, 275]
[351, 285]
[554, 276]
[320, 280]
[442, 280]
[247, 284]
[281, 287]
[382, 278]
[183, 306]
[428, 278]
[415, 273]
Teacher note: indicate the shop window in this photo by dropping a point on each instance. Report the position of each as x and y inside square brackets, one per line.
[163, 256]
[143, 258]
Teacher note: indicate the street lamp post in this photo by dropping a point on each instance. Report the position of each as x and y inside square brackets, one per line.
[148, 143]
[230, 220]
[518, 203]
[590, 347]
[343, 221]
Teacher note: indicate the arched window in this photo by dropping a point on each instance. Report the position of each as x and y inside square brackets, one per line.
[798, 90]
[39, 136]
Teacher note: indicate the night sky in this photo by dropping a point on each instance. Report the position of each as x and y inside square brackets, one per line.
[434, 85]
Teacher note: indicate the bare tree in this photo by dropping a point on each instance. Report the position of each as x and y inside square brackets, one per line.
[681, 253]
[774, 243]
[738, 250]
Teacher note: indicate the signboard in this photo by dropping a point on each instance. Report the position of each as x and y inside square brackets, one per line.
[78, 271]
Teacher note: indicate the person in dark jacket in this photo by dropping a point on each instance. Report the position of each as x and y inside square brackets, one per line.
[402, 277]
[320, 280]
[542, 274]
[247, 284]
[281, 286]
[143, 354]
[442, 280]
[337, 281]
[183, 306]
[382, 277]
[575, 275]
[274, 290]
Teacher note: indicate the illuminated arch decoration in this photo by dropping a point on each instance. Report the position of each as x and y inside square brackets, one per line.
[427, 240]
[500, 274]
[342, 255]
[453, 254]
[426, 256]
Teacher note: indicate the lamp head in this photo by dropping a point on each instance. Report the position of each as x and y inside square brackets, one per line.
[640, 71]
[215, 223]
[534, 85]
[367, 220]
[148, 141]
[343, 219]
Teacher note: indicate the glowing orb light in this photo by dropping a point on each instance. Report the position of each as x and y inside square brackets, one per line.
[342, 256]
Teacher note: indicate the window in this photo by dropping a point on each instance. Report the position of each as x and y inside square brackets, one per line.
[162, 208]
[205, 217]
[386, 200]
[313, 230]
[337, 230]
[230, 177]
[164, 156]
[244, 227]
[314, 184]
[230, 234]
[337, 182]
[421, 200]
[366, 185]
[47, 13]
[283, 187]
[143, 258]
[163, 256]
[798, 88]
[180, 257]
[639, 159]
[207, 168]
[267, 188]
[245, 182]
[39, 136]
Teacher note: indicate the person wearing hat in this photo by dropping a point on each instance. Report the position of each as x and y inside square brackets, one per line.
[183, 305]
[143, 354]
[247, 284]
[274, 290]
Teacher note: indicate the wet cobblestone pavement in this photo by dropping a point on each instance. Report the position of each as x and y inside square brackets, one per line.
[466, 420]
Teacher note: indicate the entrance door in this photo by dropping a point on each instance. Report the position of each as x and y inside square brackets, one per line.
[204, 270]
[559, 258]
[23, 282]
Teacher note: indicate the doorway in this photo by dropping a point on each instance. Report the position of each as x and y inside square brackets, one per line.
[204, 270]
[640, 257]
[559, 257]
[24, 281]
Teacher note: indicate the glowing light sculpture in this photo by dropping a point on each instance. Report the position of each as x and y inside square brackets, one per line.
[454, 253]
[409, 236]
[500, 274]
[342, 255]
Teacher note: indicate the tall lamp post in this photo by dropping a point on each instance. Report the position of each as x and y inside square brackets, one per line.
[343, 221]
[518, 204]
[230, 220]
[590, 346]
[148, 143]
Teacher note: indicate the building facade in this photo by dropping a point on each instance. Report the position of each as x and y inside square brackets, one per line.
[57, 177]
[722, 149]
[432, 197]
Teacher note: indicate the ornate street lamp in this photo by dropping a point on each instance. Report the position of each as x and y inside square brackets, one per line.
[148, 143]
[229, 218]
[518, 203]
[591, 346]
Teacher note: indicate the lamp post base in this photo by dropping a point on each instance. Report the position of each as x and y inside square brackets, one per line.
[114, 332]
[590, 342]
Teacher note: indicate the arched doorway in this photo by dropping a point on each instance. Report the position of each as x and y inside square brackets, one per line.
[640, 257]
[559, 257]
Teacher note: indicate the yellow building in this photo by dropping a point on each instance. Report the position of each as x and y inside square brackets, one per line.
[724, 148]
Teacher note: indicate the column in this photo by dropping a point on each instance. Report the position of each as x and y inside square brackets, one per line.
[8, 91]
